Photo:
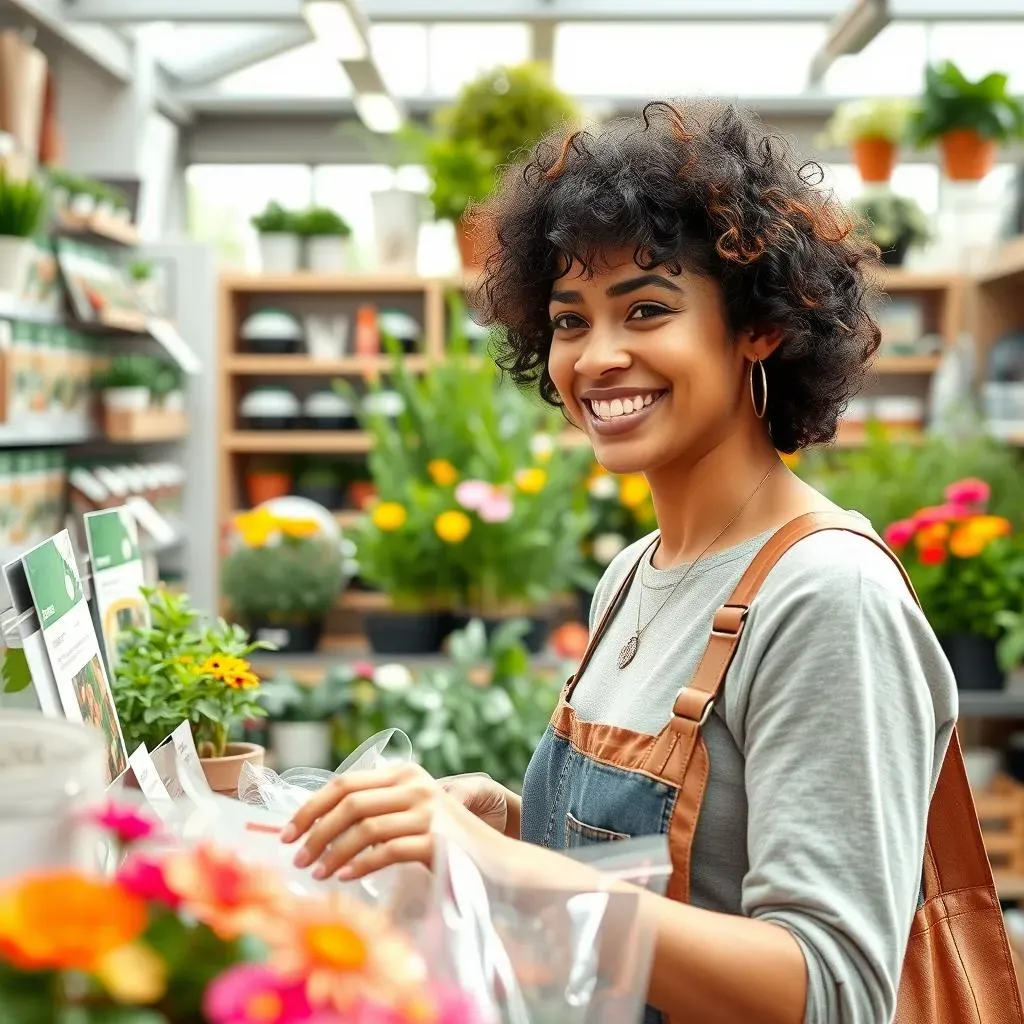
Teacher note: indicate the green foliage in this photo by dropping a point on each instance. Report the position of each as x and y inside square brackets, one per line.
[275, 219]
[483, 713]
[892, 218]
[22, 206]
[287, 700]
[462, 172]
[15, 675]
[292, 581]
[175, 670]
[951, 101]
[167, 377]
[319, 221]
[882, 118]
[131, 370]
[140, 270]
[1011, 644]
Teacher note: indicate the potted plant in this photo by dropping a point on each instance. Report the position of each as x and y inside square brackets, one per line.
[126, 385]
[280, 249]
[166, 389]
[22, 207]
[873, 129]
[184, 669]
[968, 119]
[282, 578]
[321, 484]
[267, 478]
[967, 570]
[328, 240]
[301, 719]
[896, 223]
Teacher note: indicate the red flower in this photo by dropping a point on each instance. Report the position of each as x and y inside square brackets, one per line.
[144, 877]
[972, 492]
[363, 669]
[125, 823]
[932, 556]
[900, 533]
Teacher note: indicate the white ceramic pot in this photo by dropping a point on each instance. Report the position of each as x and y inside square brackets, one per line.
[50, 770]
[328, 254]
[174, 401]
[135, 399]
[280, 253]
[15, 257]
[397, 215]
[300, 744]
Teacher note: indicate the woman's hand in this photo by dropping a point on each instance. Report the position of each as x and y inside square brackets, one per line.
[365, 821]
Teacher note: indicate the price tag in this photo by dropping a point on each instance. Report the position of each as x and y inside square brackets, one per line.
[190, 771]
[152, 786]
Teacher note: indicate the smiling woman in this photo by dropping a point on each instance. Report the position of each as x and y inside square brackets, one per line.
[695, 304]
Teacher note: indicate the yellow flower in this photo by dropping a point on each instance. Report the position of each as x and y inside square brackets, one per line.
[241, 680]
[452, 527]
[299, 529]
[255, 528]
[442, 472]
[223, 666]
[531, 481]
[791, 460]
[933, 536]
[633, 490]
[966, 543]
[990, 527]
[389, 516]
[133, 975]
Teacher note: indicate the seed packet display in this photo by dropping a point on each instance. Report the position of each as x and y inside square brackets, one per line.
[117, 578]
[71, 643]
[44, 686]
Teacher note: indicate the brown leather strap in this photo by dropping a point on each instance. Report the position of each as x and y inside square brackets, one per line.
[606, 618]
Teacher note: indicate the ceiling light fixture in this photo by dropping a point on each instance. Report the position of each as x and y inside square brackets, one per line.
[336, 26]
[378, 111]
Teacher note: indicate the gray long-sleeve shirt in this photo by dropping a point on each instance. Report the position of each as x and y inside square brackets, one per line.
[823, 753]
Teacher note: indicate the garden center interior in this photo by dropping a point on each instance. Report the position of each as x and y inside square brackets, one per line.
[235, 299]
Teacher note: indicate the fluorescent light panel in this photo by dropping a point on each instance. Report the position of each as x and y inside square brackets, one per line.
[378, 111]
[334, 26]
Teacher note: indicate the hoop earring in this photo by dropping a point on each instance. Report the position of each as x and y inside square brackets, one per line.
[759, 410]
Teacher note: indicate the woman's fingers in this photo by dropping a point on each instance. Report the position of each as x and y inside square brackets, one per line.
[332, 794]
[371, 834]
[361, 806]
[404, 850]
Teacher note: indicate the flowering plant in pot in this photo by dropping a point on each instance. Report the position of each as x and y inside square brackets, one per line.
[873, 129]
[967, 569]
[282, 577]
[182, 668]
[193, 933]
[280, 248]
[968, 119]
[896, 223]
[301, 719]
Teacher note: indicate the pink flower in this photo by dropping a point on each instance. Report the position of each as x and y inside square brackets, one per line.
[144, 877]
[971, 492]
[125, 823]
[253, 994]
[471, 494]
[930, 516]
[899, 534]
[450, 1006]
[363, 669]
[496, 509]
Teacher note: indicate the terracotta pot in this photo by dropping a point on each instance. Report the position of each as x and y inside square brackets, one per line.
[265, 486]
[875, 159]
[966, 156]
[222, 772]
[467, 245]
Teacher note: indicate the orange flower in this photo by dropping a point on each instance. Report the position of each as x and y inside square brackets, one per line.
[934, 535]
[220, 890]
[298, 529]
[242, 680]
[65, 921]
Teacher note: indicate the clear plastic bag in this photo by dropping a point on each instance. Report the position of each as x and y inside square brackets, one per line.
[531, 951]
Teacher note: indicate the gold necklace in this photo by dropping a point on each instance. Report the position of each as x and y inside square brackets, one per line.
[632, 645]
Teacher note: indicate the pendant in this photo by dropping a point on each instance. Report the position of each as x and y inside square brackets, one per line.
[629, 649]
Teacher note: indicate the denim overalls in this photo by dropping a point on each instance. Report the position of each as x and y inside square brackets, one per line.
[584, 773]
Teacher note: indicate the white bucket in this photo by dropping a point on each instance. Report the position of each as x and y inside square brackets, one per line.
[328, 254]
[280, 253]
[300, 744]
[396, 220]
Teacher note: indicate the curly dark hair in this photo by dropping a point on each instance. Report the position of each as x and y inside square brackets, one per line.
[703, 187]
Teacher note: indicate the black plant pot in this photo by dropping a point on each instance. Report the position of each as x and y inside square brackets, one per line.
[973, 660]
[584, 599]
[332, 423]
[270, 422]
[273, 346]
[395, 632]
[291, 639]
[326, 494]
[535, 640]
[895, 256]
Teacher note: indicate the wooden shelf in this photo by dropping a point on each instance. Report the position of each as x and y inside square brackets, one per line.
[305, 366]
[898, 279]
[96, 227]
[302, 283]
[116, 321]
[299, 442]
[1006, 262]
[909, 365]
[144, 426]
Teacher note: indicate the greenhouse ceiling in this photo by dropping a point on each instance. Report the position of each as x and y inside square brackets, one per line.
[246, 57]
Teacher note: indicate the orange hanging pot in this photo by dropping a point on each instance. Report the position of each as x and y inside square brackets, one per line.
[466, 242]
[966, 155]
[875, 159]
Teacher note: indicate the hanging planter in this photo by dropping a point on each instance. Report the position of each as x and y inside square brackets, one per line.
[873, 130]
[966, 156]
[968, 119]
[875, 159]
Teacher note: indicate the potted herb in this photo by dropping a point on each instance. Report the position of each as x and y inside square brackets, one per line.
[301, 718]
[968, 119]
[184, 669]
[896, 223]
[126, 385]
[321, 484]
[328, 240]
[873, 129]
[282, 578]
[22, 208]
[167, 386]
[267, 478]
[280, 249]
